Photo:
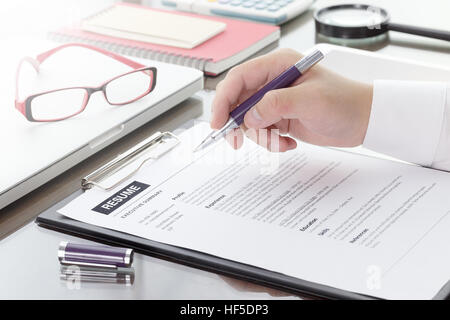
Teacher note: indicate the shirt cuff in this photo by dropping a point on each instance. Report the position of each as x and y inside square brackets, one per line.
[441, 159]
[406, 119]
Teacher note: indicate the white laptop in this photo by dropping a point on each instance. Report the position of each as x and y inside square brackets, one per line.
[32, 153]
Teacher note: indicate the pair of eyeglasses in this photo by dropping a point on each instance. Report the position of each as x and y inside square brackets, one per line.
[60, 104]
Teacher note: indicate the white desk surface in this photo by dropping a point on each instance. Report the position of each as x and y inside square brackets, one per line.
[30, 268]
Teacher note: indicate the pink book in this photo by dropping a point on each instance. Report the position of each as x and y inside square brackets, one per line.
[240, 40]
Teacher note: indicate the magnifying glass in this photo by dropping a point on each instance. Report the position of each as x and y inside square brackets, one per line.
[357, 21]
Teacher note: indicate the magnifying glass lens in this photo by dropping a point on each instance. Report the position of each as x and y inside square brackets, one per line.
[358, 21]
[351, 21]
[352, 17]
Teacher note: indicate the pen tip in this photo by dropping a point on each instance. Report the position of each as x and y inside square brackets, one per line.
[205, 142]
[197, 148]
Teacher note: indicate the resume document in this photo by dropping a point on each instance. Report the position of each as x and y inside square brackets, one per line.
[354, 222]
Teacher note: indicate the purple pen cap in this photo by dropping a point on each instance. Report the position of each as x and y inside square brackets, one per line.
[94, 255]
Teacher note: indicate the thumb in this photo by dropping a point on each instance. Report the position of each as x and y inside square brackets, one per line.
[273, 107]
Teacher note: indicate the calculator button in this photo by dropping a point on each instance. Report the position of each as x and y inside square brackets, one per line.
[273, 7]
[268, 2]
[248, 4]
[224, 1]
[261, 6]
[235, 2]
[282, 3]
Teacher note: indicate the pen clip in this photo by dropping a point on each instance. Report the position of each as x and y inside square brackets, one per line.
[166, 141]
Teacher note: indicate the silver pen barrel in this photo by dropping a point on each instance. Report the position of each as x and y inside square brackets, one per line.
[309, 60]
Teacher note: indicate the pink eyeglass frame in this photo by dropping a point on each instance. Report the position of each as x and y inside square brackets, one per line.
[24, 106]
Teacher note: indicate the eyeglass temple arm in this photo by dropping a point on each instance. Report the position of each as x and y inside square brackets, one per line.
[20, 105]
[41, 57]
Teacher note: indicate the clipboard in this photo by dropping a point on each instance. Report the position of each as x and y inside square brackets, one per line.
[153, 147]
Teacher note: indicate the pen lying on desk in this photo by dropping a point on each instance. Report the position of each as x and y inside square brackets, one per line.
[282, 81]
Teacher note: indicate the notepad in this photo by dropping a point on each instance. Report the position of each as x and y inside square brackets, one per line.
[157, 27]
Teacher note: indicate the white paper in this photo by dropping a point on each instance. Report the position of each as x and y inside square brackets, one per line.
[348, 221]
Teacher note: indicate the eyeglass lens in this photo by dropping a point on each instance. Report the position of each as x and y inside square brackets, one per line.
[65, 103]
[129, 87]
[58, 104]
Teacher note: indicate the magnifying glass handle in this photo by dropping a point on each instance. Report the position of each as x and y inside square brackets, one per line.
[425, 32]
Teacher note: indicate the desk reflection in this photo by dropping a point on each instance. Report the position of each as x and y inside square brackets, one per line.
[74, 275]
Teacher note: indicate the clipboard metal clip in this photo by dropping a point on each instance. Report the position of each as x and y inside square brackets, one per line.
[152, 148]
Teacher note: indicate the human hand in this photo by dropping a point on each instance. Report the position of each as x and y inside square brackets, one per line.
[321, 107]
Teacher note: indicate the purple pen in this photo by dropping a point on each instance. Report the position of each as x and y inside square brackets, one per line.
[89, 255]
[282, 81]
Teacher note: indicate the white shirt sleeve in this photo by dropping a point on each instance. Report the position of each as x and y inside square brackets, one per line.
[410, 120]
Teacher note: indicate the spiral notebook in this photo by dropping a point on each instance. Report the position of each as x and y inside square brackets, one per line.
[238, 41]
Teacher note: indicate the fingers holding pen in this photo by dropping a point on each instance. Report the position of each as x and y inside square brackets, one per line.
[235, 138]
[244, 80]
[275, 106]
[269, 138]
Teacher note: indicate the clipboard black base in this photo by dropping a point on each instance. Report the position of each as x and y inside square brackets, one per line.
[51, 219]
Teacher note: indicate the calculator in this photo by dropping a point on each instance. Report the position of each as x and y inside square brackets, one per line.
[267, 11]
